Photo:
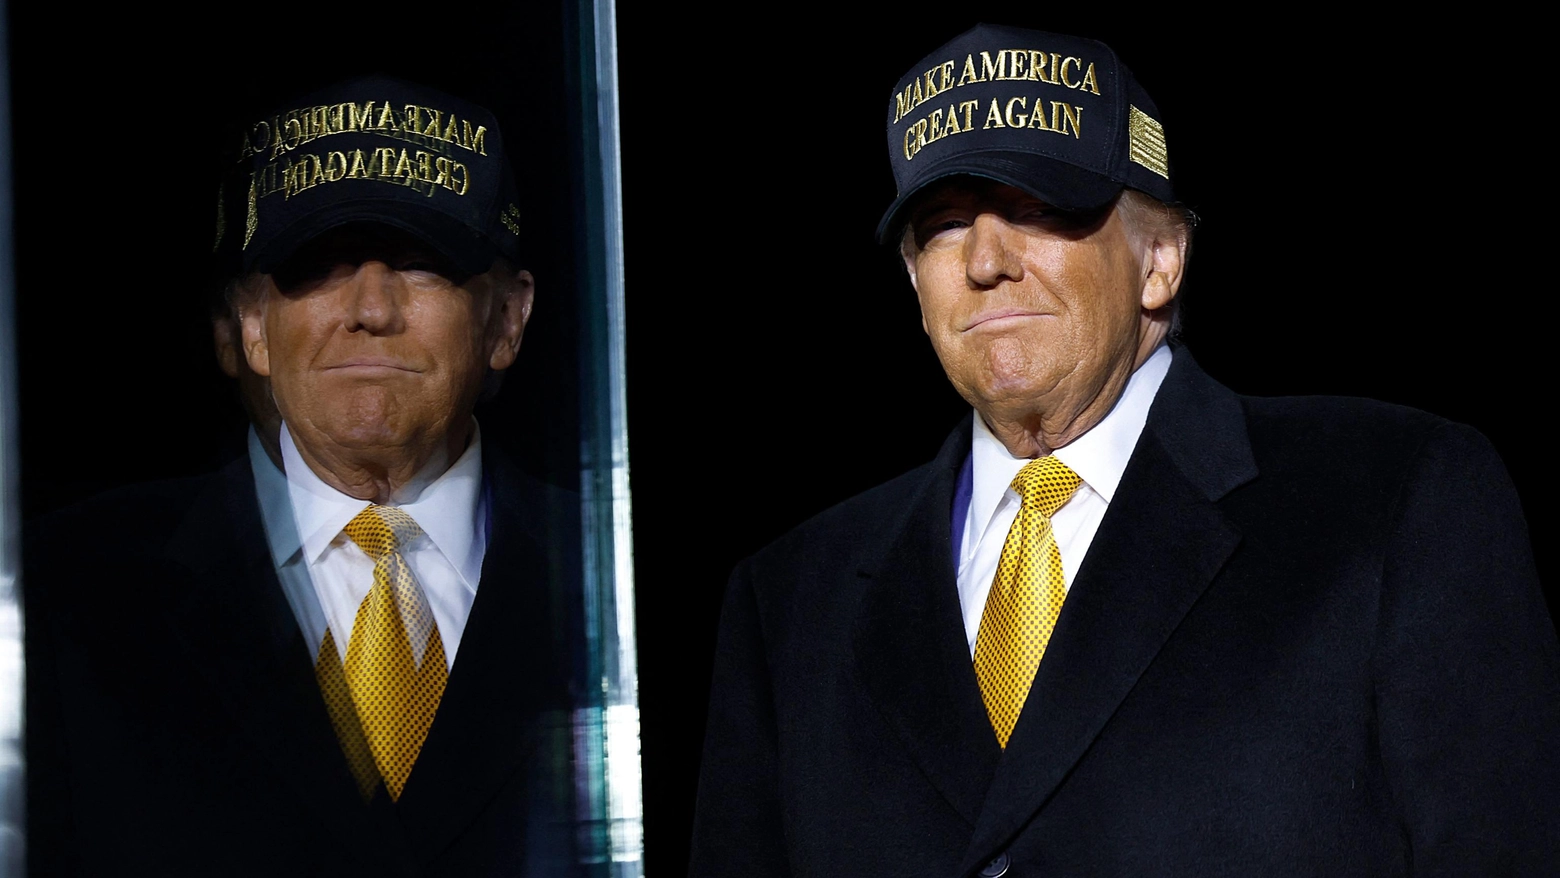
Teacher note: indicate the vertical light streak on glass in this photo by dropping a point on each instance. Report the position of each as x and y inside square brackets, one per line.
[12, 810]
[610, 790]
[625, 802]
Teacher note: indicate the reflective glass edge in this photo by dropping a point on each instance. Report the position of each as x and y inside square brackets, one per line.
[12, 770]
[607, 755]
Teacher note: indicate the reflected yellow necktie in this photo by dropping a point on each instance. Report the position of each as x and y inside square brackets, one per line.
[382, 701]
[1026, 595]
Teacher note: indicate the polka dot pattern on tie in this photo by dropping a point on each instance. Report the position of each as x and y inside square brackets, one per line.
[1026, 595]
[344, 718]
[392, 699]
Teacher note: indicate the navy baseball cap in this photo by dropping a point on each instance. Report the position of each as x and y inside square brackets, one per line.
[375, 150]
[1059, 117]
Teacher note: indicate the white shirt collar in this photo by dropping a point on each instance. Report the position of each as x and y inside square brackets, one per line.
[1099, 456]
[275, 506]
[444, 500]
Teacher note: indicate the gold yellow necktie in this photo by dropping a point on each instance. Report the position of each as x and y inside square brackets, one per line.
[1026, 595]
[382, 701]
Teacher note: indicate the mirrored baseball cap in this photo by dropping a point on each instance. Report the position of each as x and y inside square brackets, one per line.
[371, 150]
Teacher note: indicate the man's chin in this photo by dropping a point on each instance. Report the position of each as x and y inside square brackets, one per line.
[334, 436]
[1007, 390]
[374, 426]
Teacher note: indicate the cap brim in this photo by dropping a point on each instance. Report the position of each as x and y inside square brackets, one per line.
[469, 252]
[1060, 184]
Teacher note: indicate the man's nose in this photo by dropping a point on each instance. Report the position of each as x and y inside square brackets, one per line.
[374, 299]
[992, 253]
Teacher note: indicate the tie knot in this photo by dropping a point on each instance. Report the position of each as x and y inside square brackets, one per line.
[380, 530]
[1045, 483]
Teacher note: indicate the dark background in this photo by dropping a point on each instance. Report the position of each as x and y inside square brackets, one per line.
[1362, 235]
[1365, 233]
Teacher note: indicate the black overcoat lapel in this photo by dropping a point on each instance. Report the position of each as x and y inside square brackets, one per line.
[1160, 544]
[231, 619]
[510, 674]
[910, 647]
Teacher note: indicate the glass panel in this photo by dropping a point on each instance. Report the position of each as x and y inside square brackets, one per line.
[610, 783]
[117, 320]
[11, 768]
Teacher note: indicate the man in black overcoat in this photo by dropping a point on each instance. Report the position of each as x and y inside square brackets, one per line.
[1126, 622]
[345, 655]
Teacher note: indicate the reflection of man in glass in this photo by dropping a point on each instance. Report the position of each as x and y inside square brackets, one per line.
[338, 656]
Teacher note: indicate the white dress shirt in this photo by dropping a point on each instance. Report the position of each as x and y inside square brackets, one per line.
[281, 535]
[1099, 457]
[308, 545]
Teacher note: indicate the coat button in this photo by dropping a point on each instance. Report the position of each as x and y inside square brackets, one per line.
[996, 868]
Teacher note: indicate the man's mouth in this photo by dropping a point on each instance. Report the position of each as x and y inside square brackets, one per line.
[999, 317]
[372, 364]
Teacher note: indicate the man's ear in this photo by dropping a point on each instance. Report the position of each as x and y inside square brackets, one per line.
[511, 312]
[257, 353]
[1166, 260]
[225, 337]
